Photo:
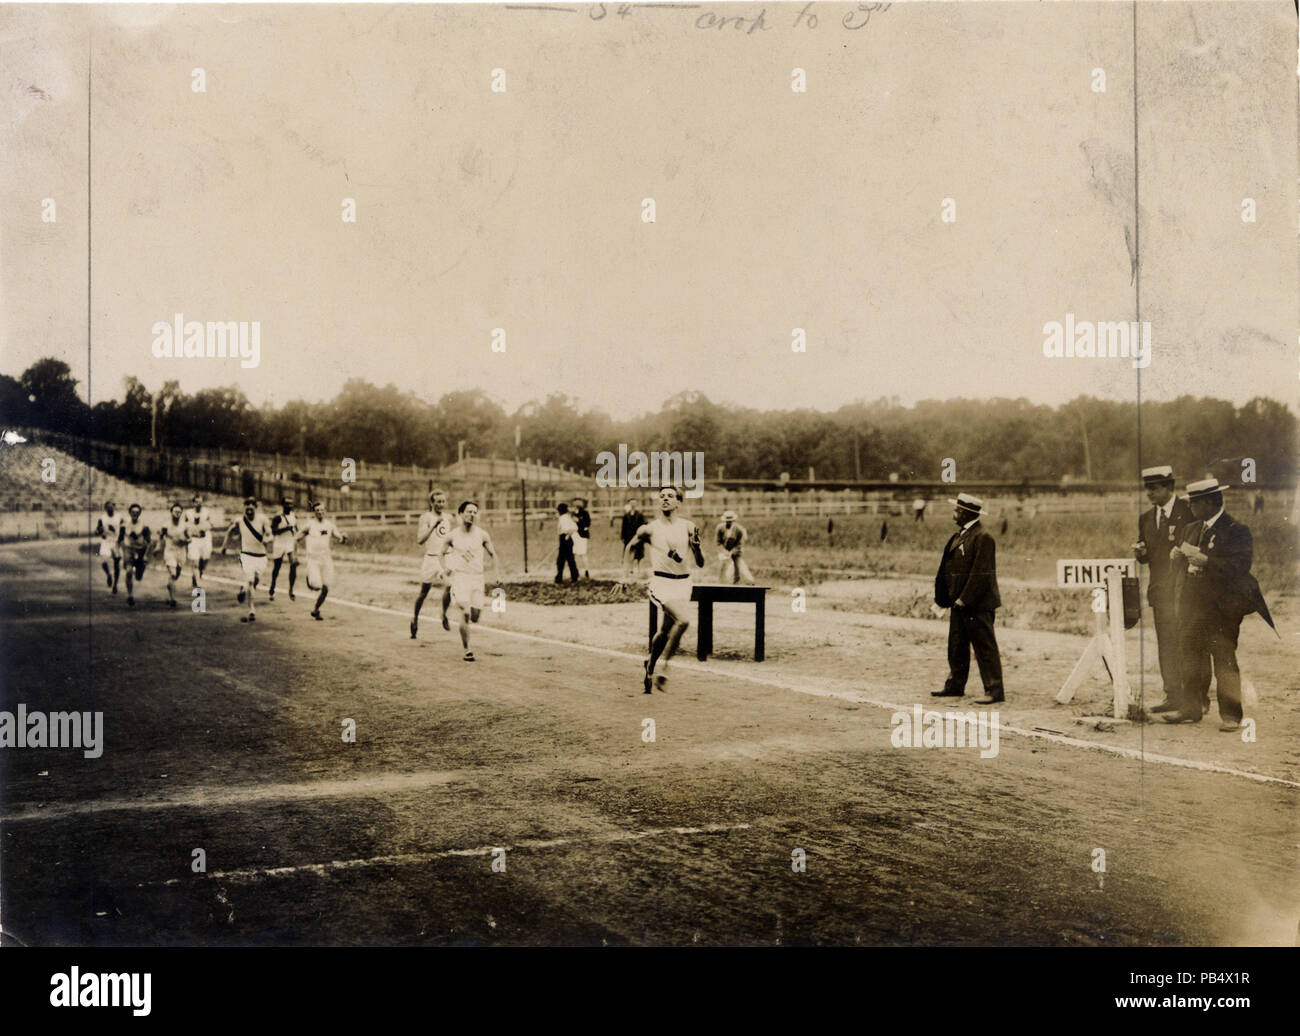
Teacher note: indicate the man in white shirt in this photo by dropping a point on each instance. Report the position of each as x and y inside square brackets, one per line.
[254, 531]
[172, 540]
[669, 539]
[568, 530]
[462, 553]
[730, 535]
[319, 532]
[135, 538]
[284, 532]
[199, 546]
[109, 530]
[435, 526]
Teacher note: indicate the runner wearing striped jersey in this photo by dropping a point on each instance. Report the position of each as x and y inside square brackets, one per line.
[254, 530]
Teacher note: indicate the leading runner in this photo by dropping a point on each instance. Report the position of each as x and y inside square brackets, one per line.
[669, 538]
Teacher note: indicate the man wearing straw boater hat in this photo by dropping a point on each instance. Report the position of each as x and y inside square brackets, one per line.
[1160, 529]
[968, 584]
[1217, 592]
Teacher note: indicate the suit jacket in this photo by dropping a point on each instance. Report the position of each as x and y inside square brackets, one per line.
[632, 520]
[968, 571]
[1161, 591]
[1224, 586]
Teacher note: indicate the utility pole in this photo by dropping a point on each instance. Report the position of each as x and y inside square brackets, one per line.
[523, 499]
[1087, 454]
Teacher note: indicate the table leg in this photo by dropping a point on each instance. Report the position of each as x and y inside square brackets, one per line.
[704, 637]
[759, 617]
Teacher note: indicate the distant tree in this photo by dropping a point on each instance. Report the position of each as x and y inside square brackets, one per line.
[52, 392]
[471, 417]
[15, 410]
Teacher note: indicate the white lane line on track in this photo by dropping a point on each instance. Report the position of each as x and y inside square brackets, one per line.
[405, 859]
[857, 699]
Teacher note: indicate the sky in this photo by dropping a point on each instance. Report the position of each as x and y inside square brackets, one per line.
[774, 209]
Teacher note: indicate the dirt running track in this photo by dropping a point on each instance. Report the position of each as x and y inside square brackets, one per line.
[226, 737]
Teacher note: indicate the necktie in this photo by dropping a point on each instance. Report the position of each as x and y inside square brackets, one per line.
[1160, 514]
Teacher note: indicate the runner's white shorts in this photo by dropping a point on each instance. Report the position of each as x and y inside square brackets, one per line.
[467, 589]
[580, 546]
[664, 590]
[431, 570]
[109, 549]
[174, 559]
[320, 571]
[200, 549]
[252, 564]
[282, 547]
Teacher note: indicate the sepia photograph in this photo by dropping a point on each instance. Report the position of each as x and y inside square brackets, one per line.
[724, 474]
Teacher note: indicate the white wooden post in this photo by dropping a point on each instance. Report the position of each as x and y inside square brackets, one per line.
[1118, 654]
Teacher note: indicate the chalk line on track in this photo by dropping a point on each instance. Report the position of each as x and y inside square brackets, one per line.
[857, 699]
[247, 874]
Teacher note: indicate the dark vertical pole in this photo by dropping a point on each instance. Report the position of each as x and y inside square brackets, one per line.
[523, 505]
[1137, 312]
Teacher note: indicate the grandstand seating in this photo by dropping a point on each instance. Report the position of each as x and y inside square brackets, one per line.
[76, 485]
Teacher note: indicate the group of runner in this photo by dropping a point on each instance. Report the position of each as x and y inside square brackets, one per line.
[186, 540]
[453, 559]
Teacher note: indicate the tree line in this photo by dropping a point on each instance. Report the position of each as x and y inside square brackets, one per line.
[1007, 439]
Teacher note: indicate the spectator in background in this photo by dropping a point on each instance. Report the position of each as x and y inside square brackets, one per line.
[568, 530]
[581, 518]
[918, 509]
[731, 537]
[1159, 530]
[632, 520]
[1216, 591]
[1259, 501]
[967, 584]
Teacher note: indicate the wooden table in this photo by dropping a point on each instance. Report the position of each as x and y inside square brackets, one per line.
[707, 594]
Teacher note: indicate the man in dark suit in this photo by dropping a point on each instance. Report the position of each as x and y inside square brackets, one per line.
[632, 520]
[1160, 529]
[968, 584]
[1217, 592]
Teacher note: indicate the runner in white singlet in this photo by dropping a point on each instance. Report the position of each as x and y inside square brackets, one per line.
[254, 531]
[669, 540]
[435, 526]
[172, 540]
[462, 553]
[109, 531]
